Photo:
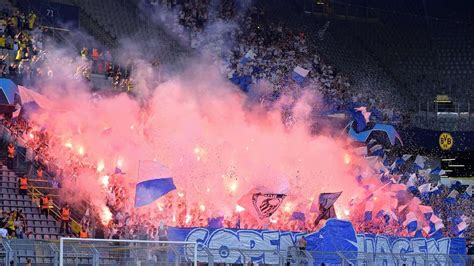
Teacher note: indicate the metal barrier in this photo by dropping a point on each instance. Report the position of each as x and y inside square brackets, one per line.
[103, 251]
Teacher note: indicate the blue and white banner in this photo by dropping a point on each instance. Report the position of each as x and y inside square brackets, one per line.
[269, 246]
[299, 74]
[154, 181]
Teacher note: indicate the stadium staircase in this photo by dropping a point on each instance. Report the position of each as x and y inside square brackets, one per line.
[42, 227]
[41, 244]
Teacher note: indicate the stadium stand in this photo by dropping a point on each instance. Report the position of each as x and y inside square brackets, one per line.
[39, 226]
[391, 63]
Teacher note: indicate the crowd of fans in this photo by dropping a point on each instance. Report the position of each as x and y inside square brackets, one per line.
[13, 225]
[25, 58]
[263, 51]
[268, 50]
[126, 222]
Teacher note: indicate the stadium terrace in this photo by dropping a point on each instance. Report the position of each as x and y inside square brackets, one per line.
[160, 132]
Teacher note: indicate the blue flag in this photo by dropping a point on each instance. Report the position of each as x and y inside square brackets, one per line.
[154, 181]
[151, 190]
[299, 74]
[326, 206]
[215, 222]
[359, 119]
[298, 216]
[118, 171]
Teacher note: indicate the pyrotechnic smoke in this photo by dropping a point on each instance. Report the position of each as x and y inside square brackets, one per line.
[200, 126]
[217, 144]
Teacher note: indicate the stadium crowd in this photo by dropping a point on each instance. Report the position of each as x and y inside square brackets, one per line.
[265, 50]
[262, 52]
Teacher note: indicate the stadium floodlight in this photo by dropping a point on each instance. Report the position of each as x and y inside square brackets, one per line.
[90, 251]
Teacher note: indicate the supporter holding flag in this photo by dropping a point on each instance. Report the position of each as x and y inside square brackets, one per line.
[326, 206]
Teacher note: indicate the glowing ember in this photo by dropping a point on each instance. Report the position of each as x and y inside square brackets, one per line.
[239, 208]
[68, 145]
[80, 150]
[160, 206]
[233, 186]
[120, 162]
[105, 215]
[188, 218]
[202, 207]
[100, 166]
[105, 180]
[288, 207]
[347, 158]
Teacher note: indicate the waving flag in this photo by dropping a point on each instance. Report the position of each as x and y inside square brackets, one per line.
[467, 193]
[377, 150]
[154, 181]
[361, 118]
[451, 199]
[411, 222]
[215, 222]
[437, 171]
[299, 74]
[435, 224]
[260, 204]
[361, 151]
[326, 206]
[420, 162]
[369, 207]
[427, 211]
[250, 55]
[425, 188]
[461, 227]
[267, 203]
[299, 216]
[118, 171]
[411, 184]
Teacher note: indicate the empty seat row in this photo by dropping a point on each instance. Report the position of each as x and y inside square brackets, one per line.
[14, 197]
[8, 191]
[26, 210]
[43, 237]
[46, 230]
[42, 224]
[7, 178]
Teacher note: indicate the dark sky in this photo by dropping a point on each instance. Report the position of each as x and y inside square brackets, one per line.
[447, 9]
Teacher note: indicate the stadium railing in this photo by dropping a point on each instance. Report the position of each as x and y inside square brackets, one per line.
[126, 252]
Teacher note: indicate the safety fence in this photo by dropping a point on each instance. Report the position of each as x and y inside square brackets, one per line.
[73, 251]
